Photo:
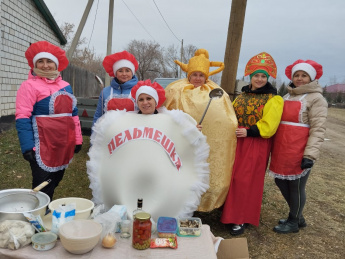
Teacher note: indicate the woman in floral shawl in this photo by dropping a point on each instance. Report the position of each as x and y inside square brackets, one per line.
[258, 110]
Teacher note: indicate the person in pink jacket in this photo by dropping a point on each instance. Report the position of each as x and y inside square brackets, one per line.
[47, 119]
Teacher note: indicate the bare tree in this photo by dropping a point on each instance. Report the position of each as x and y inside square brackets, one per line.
[155, 61]
[150, 59]
[174, 53]
[171, 54]
[88, 59]
[216, 78]
[282, 90]
[333, 80]
[83, 57]
[67, 30]
[188, 52]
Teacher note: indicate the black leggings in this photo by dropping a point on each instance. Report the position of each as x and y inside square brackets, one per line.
[294, 194]
[39, 176]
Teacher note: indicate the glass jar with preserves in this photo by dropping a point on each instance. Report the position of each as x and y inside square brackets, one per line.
[141, 231]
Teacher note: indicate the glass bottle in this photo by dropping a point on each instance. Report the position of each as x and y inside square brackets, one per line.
[139, 207]
[141, 237]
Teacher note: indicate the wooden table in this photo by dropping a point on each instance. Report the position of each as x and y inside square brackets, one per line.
[188, 247]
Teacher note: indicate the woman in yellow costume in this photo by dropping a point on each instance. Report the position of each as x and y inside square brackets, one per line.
[191, 95]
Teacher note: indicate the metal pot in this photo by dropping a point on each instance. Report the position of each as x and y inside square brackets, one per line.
[13, 214]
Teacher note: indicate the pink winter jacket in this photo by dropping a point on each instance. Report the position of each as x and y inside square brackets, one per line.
[33, 98]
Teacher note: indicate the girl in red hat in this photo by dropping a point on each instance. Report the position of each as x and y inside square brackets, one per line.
[122, 67]
[47, 119]
[298, 139]
[148, 96]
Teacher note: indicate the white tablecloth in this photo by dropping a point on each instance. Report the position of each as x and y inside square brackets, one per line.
[188, 247]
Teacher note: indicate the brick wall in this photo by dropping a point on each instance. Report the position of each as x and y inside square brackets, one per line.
[21, 23]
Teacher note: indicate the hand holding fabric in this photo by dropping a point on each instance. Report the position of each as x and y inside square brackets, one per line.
[307, 163]
[29, 156]
[77, 149]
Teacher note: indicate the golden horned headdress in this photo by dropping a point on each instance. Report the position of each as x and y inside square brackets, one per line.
[200, 62]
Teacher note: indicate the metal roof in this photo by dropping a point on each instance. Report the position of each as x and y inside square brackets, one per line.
[42, 7]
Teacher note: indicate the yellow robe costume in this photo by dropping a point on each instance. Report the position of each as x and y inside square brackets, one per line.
[219, 126]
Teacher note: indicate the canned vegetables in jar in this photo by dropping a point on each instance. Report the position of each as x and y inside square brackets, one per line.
[141, 231]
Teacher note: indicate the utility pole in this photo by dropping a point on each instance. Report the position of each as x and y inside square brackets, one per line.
[233, 46]
[76, 38]
[110, 36]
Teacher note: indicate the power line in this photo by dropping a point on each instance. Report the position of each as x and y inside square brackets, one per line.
[93, 26]
[138, 20]
[165, 21]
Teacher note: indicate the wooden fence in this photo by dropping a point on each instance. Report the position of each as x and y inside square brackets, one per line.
[83, 82]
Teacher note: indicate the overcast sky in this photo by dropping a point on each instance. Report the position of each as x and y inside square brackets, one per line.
[286, 29]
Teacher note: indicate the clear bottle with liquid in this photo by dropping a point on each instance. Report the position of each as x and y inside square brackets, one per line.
[139, 207]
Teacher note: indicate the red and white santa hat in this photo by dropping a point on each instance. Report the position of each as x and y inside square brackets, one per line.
[44, 49]
[312, 68]
[114, 62]
[153, 89]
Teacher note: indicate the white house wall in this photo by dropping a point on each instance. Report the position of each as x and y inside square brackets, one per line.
[21, 24]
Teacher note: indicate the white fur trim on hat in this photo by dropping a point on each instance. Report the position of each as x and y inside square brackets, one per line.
[147, 90]
[309, 69]
[123, 63]
[46, 55]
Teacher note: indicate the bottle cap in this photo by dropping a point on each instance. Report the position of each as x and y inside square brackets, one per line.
[142, 216]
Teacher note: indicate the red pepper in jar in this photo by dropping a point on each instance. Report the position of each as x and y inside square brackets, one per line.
[141, 231]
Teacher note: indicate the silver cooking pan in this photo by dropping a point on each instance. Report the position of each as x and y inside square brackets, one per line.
[12, 208]
[21, 202]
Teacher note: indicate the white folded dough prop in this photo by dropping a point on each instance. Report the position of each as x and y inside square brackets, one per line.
[161, 158]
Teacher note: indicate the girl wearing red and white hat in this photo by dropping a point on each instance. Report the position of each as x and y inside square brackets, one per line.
[148, 96]
[298, 139]
[47, 119]
[122, 67]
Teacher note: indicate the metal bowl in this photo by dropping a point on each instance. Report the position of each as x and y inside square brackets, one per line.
[16, 211]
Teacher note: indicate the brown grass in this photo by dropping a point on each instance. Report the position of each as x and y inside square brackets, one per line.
[324, 212]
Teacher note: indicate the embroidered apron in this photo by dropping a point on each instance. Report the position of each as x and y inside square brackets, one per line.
[54, 134]
[119, 102]
[289, 142]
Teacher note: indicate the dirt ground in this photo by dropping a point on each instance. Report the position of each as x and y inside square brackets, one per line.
[324, 237]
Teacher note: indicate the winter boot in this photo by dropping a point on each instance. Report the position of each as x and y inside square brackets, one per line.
[289, 226]
[301, 222]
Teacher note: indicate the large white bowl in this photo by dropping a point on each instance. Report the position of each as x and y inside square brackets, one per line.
[80, 236]
[83, 209]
